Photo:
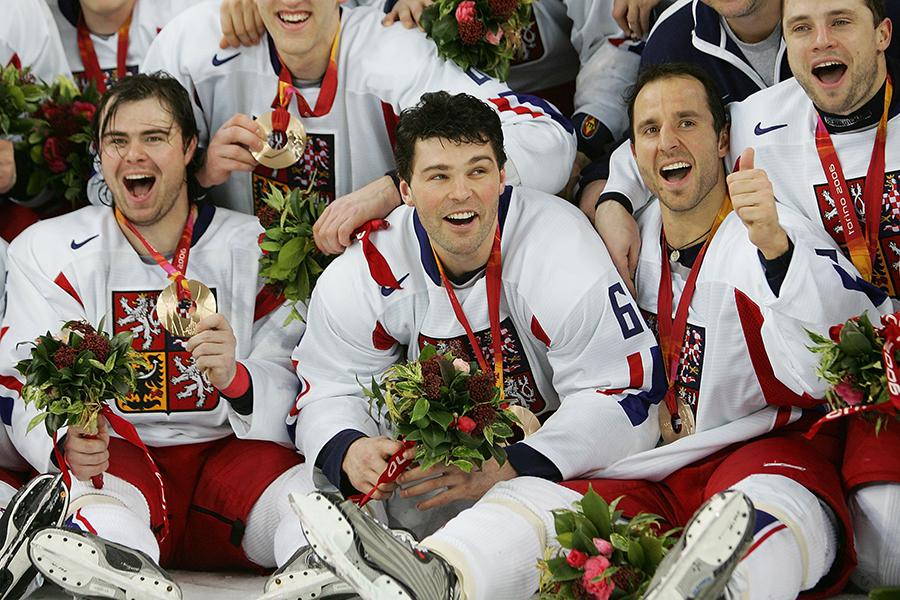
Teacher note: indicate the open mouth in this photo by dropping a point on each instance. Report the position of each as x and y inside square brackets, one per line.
[463, 217]
[675, 171]
[139, 185]
[294, 18]
[829, 72]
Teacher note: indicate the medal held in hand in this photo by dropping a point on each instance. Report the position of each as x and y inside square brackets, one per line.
[185, 302]
[180, 316]
[285, 139]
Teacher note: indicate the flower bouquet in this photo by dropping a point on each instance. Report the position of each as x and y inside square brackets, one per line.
[447, 407]
[290, 261]
[858, 362]
[485, 34]
[58, 142]
[602, 556]
[70, 377]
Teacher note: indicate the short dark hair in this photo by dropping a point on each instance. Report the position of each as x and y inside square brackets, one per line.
[171, 95]
[652, 73]
[460, 118]
[876, 6]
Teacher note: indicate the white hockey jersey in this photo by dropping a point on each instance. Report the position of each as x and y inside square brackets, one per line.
[148, 18]
[780, 123]
[574, 345]
[28, 38]
[745, 368]
[80, 266]
[380, 71]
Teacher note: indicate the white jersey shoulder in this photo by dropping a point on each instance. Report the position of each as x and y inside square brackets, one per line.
[28, 37]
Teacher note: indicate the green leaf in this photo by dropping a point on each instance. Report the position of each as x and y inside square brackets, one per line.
[596, 509]
[421, 409]
[582, 542]
[885, 593]
[619, 542]
[563, 571]
[636, 554]
[36, 420]
[442, 418]
[653, 552]
[563, 521]
[565, 539]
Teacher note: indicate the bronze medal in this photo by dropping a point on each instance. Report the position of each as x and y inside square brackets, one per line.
[180, 317]
[683, 421]
[282, 148]
[528, 422]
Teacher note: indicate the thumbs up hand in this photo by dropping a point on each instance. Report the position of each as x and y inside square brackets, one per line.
[754, 202]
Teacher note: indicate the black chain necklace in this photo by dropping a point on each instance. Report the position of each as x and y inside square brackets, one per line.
[675, 253]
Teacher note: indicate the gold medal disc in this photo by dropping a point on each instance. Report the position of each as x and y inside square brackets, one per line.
[179, 320]
[667, 427]
[281, 149]
[527, 419]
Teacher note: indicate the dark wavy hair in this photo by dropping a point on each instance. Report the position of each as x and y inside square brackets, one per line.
[660, 72]
[173, 98]
[460, 118]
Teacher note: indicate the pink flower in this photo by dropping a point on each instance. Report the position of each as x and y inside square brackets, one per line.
[603, 547]
[466, 424]
[493, 37]
[465, 12]
[601, 589]
[848, 393]
[576, 559]
[460, 365]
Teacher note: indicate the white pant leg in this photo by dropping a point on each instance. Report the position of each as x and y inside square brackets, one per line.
[273, 531]
[794, 545]
[496, 544]
[875, 510]
[118, 513]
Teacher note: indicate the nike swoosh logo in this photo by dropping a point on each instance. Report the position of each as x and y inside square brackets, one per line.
[387, 291]
[218, 62]
[76, 245]
[760, 130]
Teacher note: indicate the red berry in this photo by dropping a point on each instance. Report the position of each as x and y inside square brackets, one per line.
[503, 9]
[471, 33]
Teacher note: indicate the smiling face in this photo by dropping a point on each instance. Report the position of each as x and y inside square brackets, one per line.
[836, 51]
[144, 161]
[301, 28]
[677, 148]
[455, 188]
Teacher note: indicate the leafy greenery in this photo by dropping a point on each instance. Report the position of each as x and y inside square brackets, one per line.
[20, 96]
[633, 552]
[291, 261]
[453, 413]
[851, 362]
[439, 20]
[71, 376]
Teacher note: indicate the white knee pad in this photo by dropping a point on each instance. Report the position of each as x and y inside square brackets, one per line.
[802, 552]
[875, 510]
[495, 544]
[273, 531]
[6, 493]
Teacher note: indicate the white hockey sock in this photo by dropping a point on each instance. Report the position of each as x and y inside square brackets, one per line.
[273, 531]
[118, 513]
[875, 510]
[495, 545]
[795, 537]
[112, 521]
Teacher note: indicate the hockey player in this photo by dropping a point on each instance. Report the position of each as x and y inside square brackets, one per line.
[741, 45]
[743, 285]
[837, 51]
[209, 408]
[346, 77]
[575, 350]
